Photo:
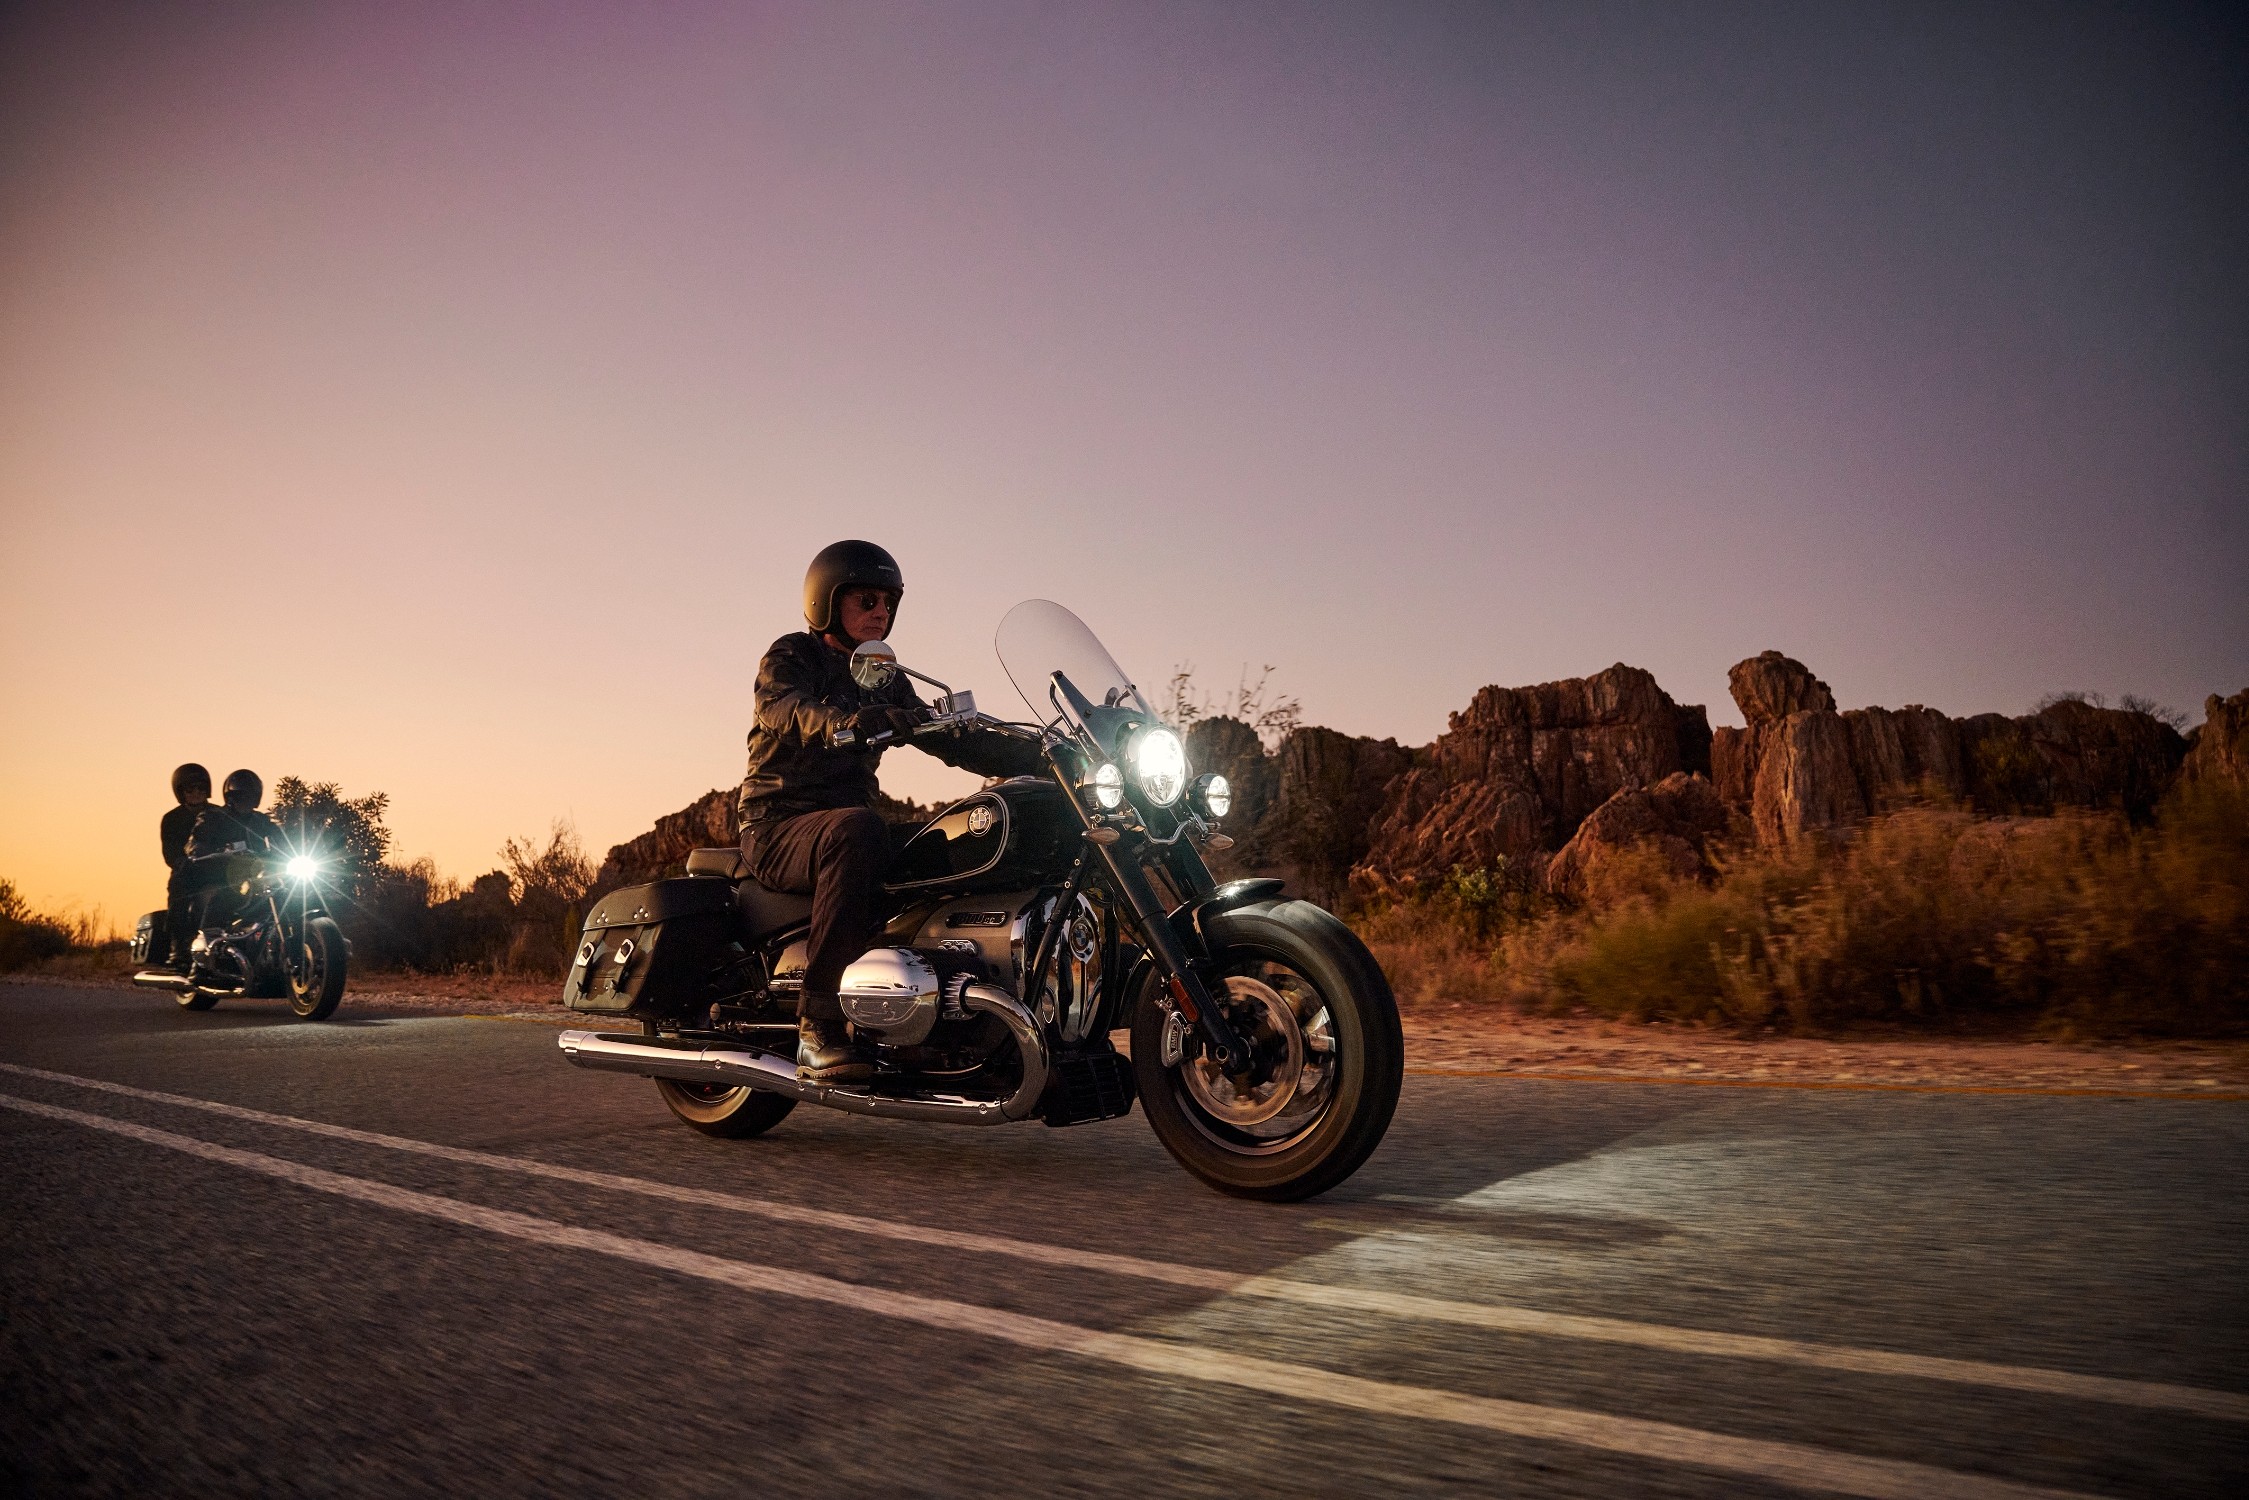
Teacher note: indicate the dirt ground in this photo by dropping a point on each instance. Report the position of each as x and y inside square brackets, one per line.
[1487, 1041]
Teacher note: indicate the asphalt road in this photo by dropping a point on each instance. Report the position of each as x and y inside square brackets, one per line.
[1534, 1288]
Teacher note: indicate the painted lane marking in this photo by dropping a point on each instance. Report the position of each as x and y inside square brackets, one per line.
[2198, 1096]
[1795, 1464]
[2113, 1390]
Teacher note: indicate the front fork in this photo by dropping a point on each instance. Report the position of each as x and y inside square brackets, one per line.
[1188, 991]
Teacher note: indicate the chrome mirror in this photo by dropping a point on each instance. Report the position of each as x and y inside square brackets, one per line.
[873, 664]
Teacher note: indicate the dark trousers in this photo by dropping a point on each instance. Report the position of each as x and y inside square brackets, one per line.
[837, 858]
[185, 896]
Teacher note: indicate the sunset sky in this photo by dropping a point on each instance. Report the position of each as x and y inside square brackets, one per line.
[446, 399]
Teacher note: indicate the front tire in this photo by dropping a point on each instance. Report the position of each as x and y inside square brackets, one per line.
[1331, 1058]
[317, 970]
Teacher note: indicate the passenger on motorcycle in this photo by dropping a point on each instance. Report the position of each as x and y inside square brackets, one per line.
[191, 789]
[234, 827]
[807, 805]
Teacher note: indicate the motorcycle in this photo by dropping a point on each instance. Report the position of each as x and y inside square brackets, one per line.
[1028, 923]
[277, 941]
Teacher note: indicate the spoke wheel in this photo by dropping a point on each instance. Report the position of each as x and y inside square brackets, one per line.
[317, 963]
[731, 1112]
[1326, 1058]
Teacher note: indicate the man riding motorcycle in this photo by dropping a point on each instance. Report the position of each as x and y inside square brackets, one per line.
[807, 804]
[236, 826]
[191, 790]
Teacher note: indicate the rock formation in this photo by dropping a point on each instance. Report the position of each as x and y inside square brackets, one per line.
[1681, 817]
[1330, 788]
[2218, 750]
[1519, 769]
[1800, 767]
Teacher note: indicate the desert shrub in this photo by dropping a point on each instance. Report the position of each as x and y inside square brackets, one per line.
[27, 937]
[2077, 923]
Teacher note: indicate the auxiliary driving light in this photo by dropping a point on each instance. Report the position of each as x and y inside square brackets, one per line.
[1211, 797]
[1108, 786]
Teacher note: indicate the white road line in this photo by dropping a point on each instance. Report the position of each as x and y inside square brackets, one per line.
[2148, 1395]
[1785, 1463]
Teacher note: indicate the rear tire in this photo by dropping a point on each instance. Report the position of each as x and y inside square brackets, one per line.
[196, 1000]
[1348, 1046]
[730, 1114]
[317, 970]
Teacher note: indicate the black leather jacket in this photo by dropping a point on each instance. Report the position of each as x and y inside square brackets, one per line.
[220, 828]
[804, 692]
[177, 825]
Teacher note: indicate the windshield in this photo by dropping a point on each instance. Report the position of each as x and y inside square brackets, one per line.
[1039, 638]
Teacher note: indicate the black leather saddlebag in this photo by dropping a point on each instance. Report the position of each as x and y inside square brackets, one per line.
[152, 938]
[651, 950]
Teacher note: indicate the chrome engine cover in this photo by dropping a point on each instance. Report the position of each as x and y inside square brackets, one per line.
[893, 993]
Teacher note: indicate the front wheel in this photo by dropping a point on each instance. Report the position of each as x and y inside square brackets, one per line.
[316, 970]
[1328, 1059]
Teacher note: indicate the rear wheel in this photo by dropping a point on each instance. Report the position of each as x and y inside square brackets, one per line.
[730, 1112]
[196, 1000]
[316, 970]
[1327, 1058]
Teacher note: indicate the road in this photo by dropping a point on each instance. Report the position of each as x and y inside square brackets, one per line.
[410, 1254]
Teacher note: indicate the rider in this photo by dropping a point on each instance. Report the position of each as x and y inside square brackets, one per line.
[234, 827]
[191, 789]
[808, 819]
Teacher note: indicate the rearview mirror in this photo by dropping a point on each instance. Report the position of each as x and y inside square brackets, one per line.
[873, 664]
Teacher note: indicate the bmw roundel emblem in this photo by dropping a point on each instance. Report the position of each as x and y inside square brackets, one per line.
[979, 821]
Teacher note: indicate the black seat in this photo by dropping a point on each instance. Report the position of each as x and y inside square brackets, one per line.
[764, 912]
[726, 863]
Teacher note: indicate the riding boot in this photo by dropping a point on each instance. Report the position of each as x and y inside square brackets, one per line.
[825, 1053]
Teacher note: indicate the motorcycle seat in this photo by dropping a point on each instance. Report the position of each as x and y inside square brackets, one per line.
[764, 912]
[726, 863]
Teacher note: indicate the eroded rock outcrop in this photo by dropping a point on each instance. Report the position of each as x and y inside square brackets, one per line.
[662, 851]
[1799, 767]
[1681, 817]
[2218, 750]
[1331, 787]
[1519, 769]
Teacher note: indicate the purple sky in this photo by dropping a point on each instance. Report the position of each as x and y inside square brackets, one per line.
[446, 398]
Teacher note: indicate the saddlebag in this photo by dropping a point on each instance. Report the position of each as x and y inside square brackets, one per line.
[152, 938]
[650, 950]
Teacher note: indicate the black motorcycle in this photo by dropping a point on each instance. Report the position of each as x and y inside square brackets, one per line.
[1030, 923]
[275, 940]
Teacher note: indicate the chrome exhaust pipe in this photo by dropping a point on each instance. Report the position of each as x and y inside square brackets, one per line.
[163, 979]
[741, 1066]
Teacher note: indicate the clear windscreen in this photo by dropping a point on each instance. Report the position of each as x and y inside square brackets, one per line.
[1039, 638]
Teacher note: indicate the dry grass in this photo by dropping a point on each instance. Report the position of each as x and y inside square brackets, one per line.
[2077, 924]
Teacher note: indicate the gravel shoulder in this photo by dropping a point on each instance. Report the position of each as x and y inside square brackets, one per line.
[1487, 1041]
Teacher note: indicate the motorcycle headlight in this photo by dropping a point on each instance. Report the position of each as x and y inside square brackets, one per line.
[1159, 764]
[1108, 787]
[303, 867]
[1211, 797]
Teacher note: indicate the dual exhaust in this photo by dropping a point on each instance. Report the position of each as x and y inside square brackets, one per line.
[740, 1066]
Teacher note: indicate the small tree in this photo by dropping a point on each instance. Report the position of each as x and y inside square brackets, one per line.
[1260, 705]
[349, 830]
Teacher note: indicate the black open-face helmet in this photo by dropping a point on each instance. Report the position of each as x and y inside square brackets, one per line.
[190, 778]
[847, 565]
[243, 790]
